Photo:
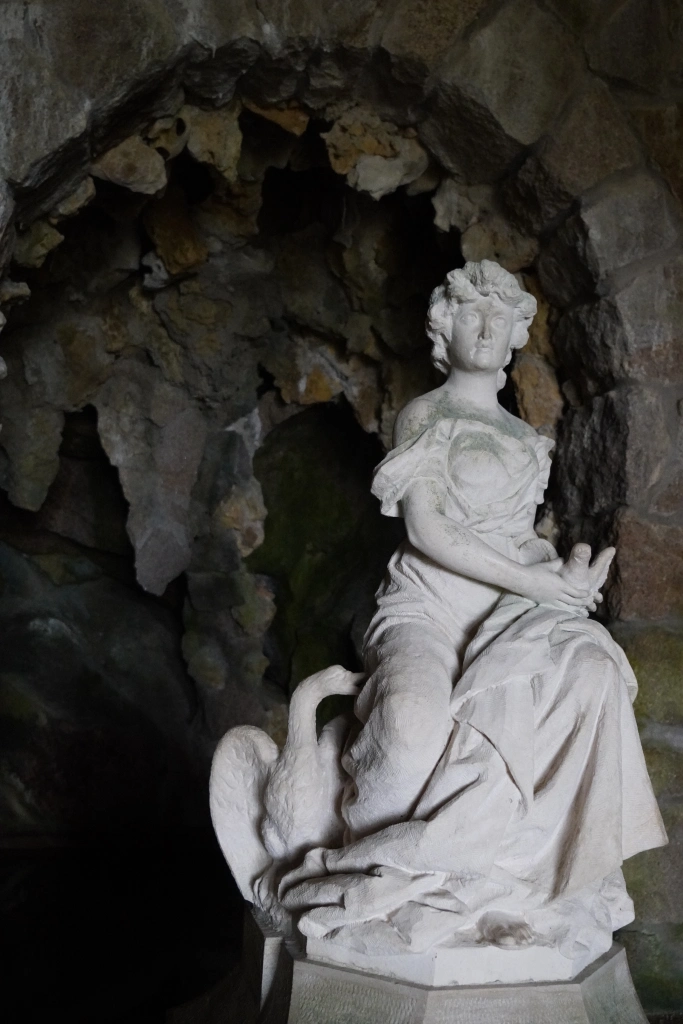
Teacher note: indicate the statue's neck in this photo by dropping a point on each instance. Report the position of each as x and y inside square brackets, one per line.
[478, 389]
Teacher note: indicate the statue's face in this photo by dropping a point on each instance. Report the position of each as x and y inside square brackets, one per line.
[481, 335]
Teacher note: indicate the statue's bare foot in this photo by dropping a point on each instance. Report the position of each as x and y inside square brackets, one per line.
[498, 928]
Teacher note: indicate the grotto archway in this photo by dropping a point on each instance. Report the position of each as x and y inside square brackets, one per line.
[493, 124]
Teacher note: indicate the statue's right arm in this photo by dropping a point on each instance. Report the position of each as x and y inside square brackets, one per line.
[460, 550]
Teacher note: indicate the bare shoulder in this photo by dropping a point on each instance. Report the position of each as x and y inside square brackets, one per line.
[415, 417]
[519, 426]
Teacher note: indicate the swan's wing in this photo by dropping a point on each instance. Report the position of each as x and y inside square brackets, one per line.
[238, 774]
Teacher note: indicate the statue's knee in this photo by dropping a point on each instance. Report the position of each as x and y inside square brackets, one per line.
[417, 717]
[595, 673]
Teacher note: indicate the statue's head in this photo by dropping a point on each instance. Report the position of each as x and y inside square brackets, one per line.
[481, 314]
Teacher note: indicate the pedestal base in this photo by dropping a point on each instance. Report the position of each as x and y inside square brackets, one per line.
[291, 988]
[602, 994]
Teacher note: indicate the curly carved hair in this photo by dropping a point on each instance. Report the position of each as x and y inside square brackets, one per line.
[467, 285]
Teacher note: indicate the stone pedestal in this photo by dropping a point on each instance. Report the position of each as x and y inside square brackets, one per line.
[293, 988]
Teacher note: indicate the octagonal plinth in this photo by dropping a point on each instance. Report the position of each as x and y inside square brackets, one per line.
[602, 994]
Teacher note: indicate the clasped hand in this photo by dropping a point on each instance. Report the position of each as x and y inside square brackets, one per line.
[573, 585]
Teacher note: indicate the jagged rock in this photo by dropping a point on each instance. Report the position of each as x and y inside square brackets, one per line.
[132, 164]
[457, 205]
[256, 610]
[381, 175]
[632, 219]
[308, 371]
[168, 136]
[155, 274]
[292, 119]
[12, 292]
[631, 334]
[243, 511]
[312, 296]
[73, 203]
[534, 374]
[499, 90]
[155, 438]
[32, 247]
[231, 215]
[214, 137]
[494, 238]
[592, 141]
[217, 322]
[85, 504]
[173, 232]
[355, 133]
[32, 400]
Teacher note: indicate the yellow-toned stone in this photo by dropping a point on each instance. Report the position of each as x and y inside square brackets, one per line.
[173, 232]
[133, 165]
[88, 364]
[355, 133]
[214, 137]
[32, 247]
[243, 511]
[537, 391]
[75, 202]
[232, 213]
[292, 119]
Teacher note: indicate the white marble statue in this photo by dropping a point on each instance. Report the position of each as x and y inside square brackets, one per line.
[492, 781]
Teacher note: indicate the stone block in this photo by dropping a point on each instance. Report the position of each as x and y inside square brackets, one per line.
[631, 219]
[602, 994]
[155, 437]
[499, 90]
[591, 141]
[639, 44]
[634, 333]
[133, 165]
[660, 129]
[422, 33]
[613, 452]
[649, 567]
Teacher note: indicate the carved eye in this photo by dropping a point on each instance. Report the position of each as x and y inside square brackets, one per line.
[469, 319]
[498, 321]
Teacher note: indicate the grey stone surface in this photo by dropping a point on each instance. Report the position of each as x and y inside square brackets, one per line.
[629, 220]
[632, 333]
[591, 141]
[155, 438]
[499, 91]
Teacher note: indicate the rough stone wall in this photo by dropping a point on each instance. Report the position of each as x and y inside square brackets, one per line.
[546, 135]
